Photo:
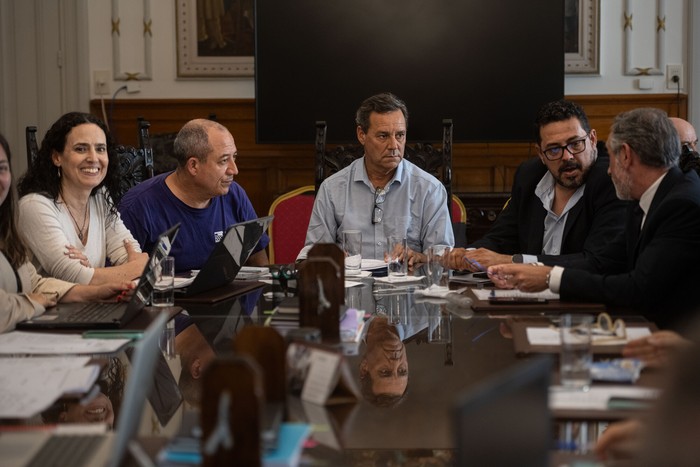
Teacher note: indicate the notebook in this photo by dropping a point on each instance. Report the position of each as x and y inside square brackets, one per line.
[106, 315]
[505, 420]
[107, 449]
[226, 259]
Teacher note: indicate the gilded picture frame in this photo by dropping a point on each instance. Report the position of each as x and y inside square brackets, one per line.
[213, 40]
[582, 37]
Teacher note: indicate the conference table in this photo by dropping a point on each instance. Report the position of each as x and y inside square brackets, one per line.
[473, 347]
[469, 349]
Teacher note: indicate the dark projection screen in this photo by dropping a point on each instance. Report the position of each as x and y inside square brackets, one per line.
[486, 64]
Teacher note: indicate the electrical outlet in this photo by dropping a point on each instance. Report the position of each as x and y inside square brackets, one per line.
[101, 82]
[671, 71]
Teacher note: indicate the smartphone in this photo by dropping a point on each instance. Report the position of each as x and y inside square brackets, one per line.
[517, 300]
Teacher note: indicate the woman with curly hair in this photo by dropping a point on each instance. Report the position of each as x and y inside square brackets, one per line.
[23, 293]
[67, 210]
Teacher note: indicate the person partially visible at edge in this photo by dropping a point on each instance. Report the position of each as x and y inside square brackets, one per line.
[651, 267]
[24, 294]
[68, 207]
[381, 193]
[563, 209]
[686, 133]
[200, 194]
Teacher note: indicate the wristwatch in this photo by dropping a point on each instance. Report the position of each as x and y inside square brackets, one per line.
[517, 258]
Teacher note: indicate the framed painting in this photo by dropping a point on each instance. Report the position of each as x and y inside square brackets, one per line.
[582, 37]
[215, 38]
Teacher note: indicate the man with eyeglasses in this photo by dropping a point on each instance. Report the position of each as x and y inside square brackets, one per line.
[381, 193]
[652, 266]
[686, 132]
[563, 208]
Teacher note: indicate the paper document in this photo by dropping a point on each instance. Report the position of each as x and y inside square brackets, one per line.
[30, 385]
[44, 343]
[550, 336]
[596, 398]
[484, 294]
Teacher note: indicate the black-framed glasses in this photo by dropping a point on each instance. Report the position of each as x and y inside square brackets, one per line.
[691, 145]
[574, 147]
[377, 212]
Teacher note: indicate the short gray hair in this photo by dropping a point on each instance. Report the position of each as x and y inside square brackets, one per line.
[193, 140]
[650, 133]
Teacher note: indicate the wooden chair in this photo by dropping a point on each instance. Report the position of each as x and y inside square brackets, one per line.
[287, 232]
[437, 162]
[136, 164]
[32, 146]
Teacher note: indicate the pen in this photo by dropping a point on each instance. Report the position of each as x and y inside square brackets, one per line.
[475, 264]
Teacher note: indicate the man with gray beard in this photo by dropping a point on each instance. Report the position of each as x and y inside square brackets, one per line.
[651, 267]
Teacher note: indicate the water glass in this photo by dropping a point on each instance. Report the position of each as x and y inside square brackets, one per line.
[439, 325]
[396, 256]
[164, 287]
[352, 248]
[575, 357]
[436, 263]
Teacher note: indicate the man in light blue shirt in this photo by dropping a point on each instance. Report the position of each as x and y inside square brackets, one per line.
[381, 194]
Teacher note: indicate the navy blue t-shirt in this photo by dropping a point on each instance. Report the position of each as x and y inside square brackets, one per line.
[150, 208]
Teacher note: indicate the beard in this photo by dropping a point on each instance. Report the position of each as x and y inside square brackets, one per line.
[623, 185]
[567, 176]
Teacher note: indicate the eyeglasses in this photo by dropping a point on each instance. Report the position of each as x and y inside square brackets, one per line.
[574, 147]
[377, 212]
[605, 329]
[691, 145]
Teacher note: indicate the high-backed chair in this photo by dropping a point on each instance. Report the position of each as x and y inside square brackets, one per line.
[136, 164]
[287, 232]
[32, 146]
[435, 161]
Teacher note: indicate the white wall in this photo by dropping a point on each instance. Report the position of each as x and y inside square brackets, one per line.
[165, 83]
[611, 80]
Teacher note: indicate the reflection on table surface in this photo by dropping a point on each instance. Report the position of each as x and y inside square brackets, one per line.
[418, 355]
[411, 374]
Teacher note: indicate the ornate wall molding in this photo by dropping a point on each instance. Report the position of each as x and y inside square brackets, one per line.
[627, 26]
[129, 75]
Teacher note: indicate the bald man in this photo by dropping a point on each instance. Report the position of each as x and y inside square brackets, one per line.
[200, 194]
[686, 132]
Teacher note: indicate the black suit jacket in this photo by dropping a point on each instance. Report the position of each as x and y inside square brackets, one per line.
[595, 220]
[656, 272]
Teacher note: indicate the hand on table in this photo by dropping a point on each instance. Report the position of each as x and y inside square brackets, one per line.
[655, 350]
[524, 277]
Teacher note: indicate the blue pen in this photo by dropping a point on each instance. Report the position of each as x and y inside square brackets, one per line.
[475, 263]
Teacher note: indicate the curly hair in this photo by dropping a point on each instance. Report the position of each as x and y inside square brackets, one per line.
[43, 177]
[12, 245]
[559, 111]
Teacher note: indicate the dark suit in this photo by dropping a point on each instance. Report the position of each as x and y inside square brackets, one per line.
[595, 220]
[660, 275]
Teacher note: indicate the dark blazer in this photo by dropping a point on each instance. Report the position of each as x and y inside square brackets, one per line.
[594, 221]
[662, 271]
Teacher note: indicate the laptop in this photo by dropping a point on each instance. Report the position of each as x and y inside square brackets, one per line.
[27, 448]
[105, 315]
[505, 420]
[226, 259]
